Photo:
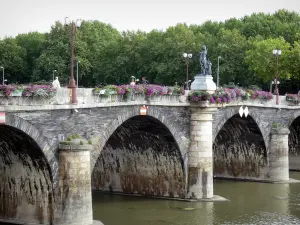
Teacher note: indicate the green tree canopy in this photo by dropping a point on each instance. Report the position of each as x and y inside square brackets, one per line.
[107, 55]
[261, 60]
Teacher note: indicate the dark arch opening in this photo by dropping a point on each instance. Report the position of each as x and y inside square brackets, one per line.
[26, 191]
[239, 150]
[141, 157]
[294, 145]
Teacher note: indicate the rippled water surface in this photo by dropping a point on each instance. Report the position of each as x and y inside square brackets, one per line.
[250, 203]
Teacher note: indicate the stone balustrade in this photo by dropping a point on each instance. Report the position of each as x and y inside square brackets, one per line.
[86, 96]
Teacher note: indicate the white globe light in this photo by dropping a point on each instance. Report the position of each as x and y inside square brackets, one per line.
[190, 56]
[279, 52]
[184, 55]
[275, 52]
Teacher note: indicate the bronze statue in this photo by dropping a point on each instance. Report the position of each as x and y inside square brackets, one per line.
[204, 62]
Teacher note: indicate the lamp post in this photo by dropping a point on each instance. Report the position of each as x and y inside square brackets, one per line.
[72, 84]
[1, 67]
[277, 53]
[77, 73]
[218, 72]
[187, 57]
[53, 75]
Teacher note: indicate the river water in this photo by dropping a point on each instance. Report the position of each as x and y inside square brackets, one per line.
[250, 203]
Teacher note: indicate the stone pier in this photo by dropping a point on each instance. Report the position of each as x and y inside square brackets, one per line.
[279, 155]
[75, 197]
[200, 158]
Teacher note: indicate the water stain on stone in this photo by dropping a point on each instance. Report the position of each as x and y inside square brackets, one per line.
[239, 150]
[25, 180]
[141, 157]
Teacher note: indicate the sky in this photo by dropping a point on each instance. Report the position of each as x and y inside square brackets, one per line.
[23, 16]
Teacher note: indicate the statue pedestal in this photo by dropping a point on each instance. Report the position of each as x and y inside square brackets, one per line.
[204, 83]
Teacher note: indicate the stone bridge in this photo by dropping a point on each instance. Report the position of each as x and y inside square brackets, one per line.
[174, 150]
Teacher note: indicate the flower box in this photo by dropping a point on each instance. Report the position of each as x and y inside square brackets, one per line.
[231, 96]
[140, 97]
[105, 98]
[127, 97]
[17, 93]
[154, 98]
[116, 98]
[171, 98]
[202, 104]
[111, 98]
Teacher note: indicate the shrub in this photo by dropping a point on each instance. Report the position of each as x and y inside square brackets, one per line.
[227, 95]
[198, 96]
[40, 91]
[6, 90]
[175, 90]
[292, 98]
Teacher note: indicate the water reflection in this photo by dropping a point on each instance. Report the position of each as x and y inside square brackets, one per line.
[250, 203]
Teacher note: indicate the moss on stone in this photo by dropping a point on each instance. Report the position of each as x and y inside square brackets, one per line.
[65, 142]
[69, 138]
[76, 136]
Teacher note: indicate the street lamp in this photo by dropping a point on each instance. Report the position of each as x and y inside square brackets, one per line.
[53, 74]
[276, 53]
[72, 85]
[77, 73]
[218, 72]
[187, 57]
[1, 67]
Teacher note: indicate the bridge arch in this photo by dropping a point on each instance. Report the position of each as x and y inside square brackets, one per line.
[141, 155]
[34, 133]
[127, 113]
[239, 149]
[294, 142]
[26, 186]
[223, 115]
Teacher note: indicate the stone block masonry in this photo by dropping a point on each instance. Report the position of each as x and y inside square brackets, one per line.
[173, 162]
[75, 198]
[200, 160]
[239, 150]
[279, 154]
[294, 145]
[26, 192]
[141, 157]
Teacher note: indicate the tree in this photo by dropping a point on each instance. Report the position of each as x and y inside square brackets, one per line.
[13, 59]
[57, 55]
[109, 56]
[33, 43]
[101, 46]
[261, 60]
[294, 59]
